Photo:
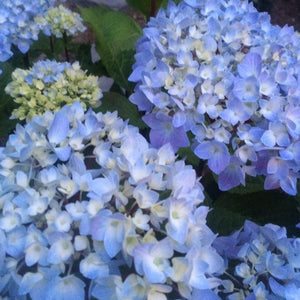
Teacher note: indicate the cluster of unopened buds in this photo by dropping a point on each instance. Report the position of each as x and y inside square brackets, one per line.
[49, 85]
[220, 71]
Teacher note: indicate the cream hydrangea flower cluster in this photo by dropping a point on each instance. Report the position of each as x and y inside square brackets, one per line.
[49, 85]
[59, 20]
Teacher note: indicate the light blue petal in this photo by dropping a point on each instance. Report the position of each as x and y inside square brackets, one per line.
[63, 153]
[24, 45]
[106, 288]
[28, 282]
[69, 287]
[268, 138]
[59, 128]
[250, 65]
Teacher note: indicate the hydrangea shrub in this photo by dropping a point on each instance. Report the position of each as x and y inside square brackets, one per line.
[221, 71]
[88, 208]
[49, 85]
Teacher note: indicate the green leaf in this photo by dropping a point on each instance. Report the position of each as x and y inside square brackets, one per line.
[223, 221]
[189, 156]
[230, 210]
[126, 110]
[43, 47]
[85, 60]
[116, 35]
[6, 102]
[253, 184]
[144, 6]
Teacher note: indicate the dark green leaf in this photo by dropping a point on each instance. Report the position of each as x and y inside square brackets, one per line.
[42, 47]
[253, 184]
[116, 35]
[126, 110]
[6, 102]
[223, 221]
[84, 57]
[189, 156]
[145, 6]
[264, 207]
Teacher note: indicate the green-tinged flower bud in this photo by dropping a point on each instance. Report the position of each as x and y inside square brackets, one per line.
[49, 85]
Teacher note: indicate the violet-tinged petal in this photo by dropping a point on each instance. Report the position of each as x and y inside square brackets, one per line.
[268, 138]
[232, 176]
[250, 65]
[217, 154]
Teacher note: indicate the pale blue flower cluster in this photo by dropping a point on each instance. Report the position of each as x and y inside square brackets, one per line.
[17, 25]
[221, 71]
[267, 262]
[89, 209]
[60, 20]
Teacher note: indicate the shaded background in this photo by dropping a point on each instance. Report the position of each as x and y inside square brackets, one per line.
[282, 11]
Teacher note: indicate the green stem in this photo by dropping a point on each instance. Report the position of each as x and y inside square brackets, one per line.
[51, 44]
[153, 8]
[26, 60]
[66, 46]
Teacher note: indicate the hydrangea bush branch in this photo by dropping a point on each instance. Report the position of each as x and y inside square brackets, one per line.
[49, 85]
[220, 70]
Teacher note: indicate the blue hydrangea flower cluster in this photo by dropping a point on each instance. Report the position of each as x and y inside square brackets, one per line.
[60, 20]
[89, 209]
[267, 262]
[221, 71]
[18, 26]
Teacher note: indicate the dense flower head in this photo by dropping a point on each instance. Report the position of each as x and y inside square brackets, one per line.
[49, 85]
[17, 24]
[266, 262]
[59, 20]
[221, 71]
[89, 208]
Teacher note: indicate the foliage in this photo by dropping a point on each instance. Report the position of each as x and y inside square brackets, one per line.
[116, 35]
